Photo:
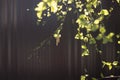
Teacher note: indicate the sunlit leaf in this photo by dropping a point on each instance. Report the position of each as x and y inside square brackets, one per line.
[83, 47]
[76, 36]
[118, 36]
[79, 36]
[104, 12]
[108, 38]
[111, 34]
[105, 40]
[115, 63]
[92, 41]
[95, 3]
[99, 37]
[88, 0]
[118, 42]
[111, 9]
[70, 1]
[39, 9]
[96, 21]
[69, 9]
[83, 77]
[104, 63]
[55, 35]
[118, 1]
[108, 64]
[94, 27]
[102, 30]
[54, 6]
[85, 52]
[39, 14]
[85, 39]
[110, 67]
[118, 52]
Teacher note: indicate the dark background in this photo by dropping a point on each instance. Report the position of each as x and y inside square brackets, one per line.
[20, 36]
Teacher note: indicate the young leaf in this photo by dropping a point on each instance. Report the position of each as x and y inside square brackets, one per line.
[118, 42]
[83, 47]
[115, 63]
[83, 77]
[104, 12]
[102, 30]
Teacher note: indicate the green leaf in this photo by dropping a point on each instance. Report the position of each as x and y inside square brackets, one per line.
[39, 14]
[57, 35]
[104, 63]
[83, 47]
[102, 30]
[94, 27]
[94, 79]
[118, 1]
[111, 34]
[77, 36]
[118, 52]
[83, 77]
[85, 52]
[110, 67]
[118, 42]
[104, 12]
[105, 40]
[100, 51]
[118, 35]
[101, 74]
[92, 41]
[70, 1]
[39, 9]
[115, 63]
[111, 9]
[108, 64]
[99, 37]
[85, 39]
[96, 21]
[108, 38]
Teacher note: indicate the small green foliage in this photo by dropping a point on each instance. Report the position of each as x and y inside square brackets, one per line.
[40, 8]
[102, 75]
[118, 42]
[85, 51]
[79, 36]
[108, 38]
[102, 30]
[94, 79]
[83, 77]
[118, 36]
[96, 21]
[118, 1]
[83, 47]
[100, 36]
[104, 12]
[115, 63]
[92, 41]
[90, 21]
[110, 64]
[118, 52]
